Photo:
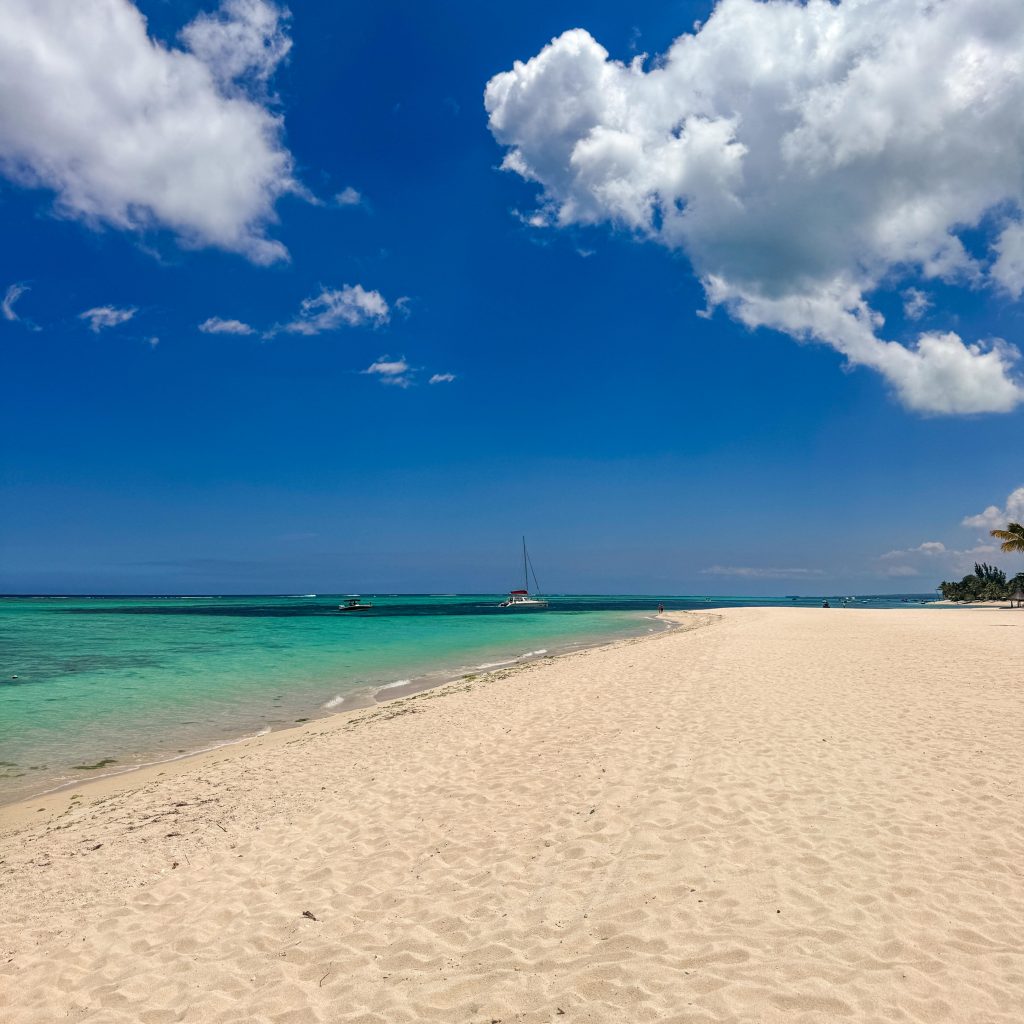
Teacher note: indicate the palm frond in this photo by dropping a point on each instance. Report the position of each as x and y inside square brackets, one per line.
[1012, 537]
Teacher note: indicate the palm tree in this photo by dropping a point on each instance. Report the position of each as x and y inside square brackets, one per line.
[1012, 537]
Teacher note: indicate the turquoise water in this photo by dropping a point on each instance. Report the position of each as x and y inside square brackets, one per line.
[135, 680]
[131, 680]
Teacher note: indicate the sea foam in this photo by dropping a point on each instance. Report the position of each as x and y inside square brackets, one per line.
[521, 657]
[397, 682]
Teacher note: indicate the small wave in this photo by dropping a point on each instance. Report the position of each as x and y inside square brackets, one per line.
[511, 661]
[264, 731]
[397, 682]
[335, 702]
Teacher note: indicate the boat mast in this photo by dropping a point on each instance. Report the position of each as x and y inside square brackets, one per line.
[526, 578]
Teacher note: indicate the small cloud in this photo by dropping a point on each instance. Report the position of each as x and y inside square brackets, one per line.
[350, 306]
[388, 367]
[217, 325]
[442, 378]
[13, 293]
[915, 304]
[757, 572]
[402, 305]
[348, 196]
[101, 317]
[153, 342]
[934, 557]
[901, 570]
[996, 518]
[929, 547]
[395, 372]
[536, 219]
[585, 253]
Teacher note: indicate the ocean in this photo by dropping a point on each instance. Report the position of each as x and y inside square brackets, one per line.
[93, 685]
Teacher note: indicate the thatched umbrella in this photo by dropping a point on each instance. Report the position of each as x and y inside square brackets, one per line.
[1017, 596]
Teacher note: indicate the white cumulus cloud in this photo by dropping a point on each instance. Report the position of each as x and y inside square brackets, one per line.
[130, 133]
[348, 306]
[244, 39]
[441, 378]
[217, 325]
[995, 517]
[100, 317]
[802, 155]
[1008, 269]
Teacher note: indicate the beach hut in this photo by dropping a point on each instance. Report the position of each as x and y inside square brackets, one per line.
[1018, 596]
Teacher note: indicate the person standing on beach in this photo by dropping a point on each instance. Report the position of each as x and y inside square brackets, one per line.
[661, 607]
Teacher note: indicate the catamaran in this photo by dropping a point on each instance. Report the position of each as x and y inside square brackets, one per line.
[523, 599]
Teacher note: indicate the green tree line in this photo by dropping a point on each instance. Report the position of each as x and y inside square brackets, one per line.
[987, 583]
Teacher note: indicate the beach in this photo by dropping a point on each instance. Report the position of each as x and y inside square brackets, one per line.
[764, 815]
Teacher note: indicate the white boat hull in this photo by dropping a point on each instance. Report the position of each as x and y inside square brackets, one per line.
[523, 599]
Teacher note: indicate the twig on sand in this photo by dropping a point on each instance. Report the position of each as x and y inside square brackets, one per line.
[329, 966]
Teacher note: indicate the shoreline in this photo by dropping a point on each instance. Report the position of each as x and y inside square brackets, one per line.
[360, 696]
[367, 698]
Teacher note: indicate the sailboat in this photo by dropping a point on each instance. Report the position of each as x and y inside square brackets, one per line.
[523, 599]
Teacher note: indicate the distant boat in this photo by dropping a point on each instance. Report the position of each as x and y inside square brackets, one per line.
[354, 604]
[523, 599]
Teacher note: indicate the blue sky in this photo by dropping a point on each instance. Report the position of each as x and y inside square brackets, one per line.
[641, 447]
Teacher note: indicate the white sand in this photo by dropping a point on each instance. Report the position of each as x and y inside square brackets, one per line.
[784, 815]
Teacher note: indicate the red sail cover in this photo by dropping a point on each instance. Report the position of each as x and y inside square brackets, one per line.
[518, 591]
